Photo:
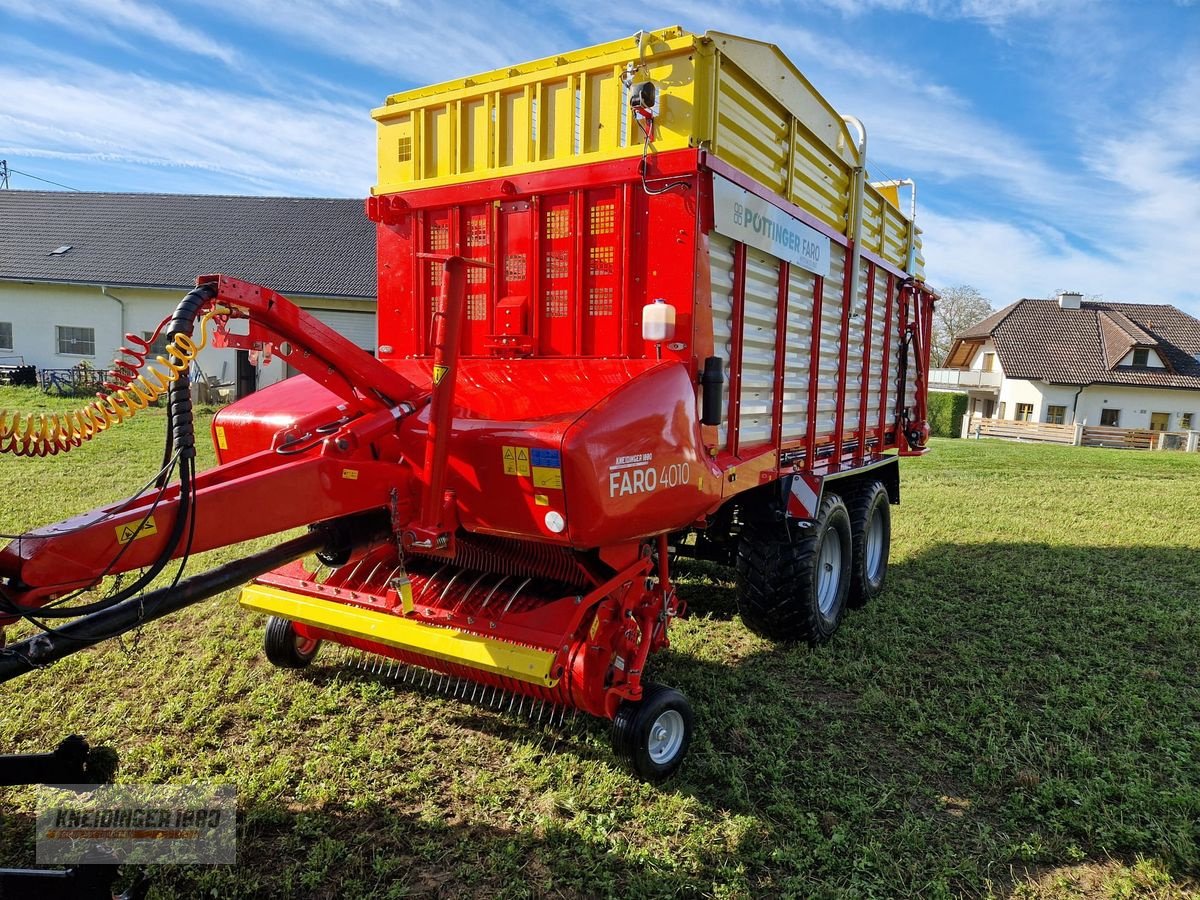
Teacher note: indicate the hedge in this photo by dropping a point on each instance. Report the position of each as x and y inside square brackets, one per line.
[946, 411]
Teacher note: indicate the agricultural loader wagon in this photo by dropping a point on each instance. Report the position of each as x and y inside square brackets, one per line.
[635, 301]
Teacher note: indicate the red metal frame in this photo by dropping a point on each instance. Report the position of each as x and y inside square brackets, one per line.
[814, 371]
[888, 329]
[839, 421]
[781, 313]
[861, 450]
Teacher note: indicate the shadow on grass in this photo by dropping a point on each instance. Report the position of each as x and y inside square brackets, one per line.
[1026, 701]
[374, 850]
[1002, 706]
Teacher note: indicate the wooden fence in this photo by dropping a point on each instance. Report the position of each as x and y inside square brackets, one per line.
[1126, 438]
[1014, 430]
[1080, 435]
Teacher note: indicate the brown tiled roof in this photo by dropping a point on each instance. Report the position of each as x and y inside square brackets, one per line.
[1037, 340]
[984, 329]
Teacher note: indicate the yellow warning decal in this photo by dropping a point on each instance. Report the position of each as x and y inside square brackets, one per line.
[350, 474]
[547, 478]
[541, 499]
[516, 460]
[131, 531]
[439, 372]
[221, 442]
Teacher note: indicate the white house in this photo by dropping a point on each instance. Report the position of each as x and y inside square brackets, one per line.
[78, 271]
[1069, 361]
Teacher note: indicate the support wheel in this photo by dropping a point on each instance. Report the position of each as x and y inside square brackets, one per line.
[285, 648]
[653, 734]
[871, 535]
[792, 582]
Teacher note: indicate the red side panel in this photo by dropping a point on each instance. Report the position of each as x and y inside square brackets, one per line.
[571, 261]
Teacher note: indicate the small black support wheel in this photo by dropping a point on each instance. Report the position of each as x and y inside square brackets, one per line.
[285, 648]
[653, 734]
[871, 534]
[792, 582]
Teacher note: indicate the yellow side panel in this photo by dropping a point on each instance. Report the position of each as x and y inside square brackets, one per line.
[752, 129]
[885, 228]
[449, 644]
[820, 180]
[473, 143]
[556, 112]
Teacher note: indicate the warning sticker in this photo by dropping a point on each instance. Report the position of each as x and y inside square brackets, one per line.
[439, 372]
[541, 499]
[547, 478]
[516, 461]
[221, 443]
[350, 474]
[549, 458]
[131, 531]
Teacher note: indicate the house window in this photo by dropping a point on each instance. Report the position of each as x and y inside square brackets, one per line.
[989, 362]
[1141, 357]
[1056, 415]
[1159, 421]
[157, 348]
[1110, 418]
[6, 336]
[1185, 421]
[74, 341]
[1024, 412]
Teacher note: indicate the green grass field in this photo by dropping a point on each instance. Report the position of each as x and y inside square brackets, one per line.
[1018, 715]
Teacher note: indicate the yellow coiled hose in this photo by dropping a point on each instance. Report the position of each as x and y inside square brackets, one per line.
[48, 434]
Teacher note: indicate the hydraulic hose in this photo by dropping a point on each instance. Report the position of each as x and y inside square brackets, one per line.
[182, 433]
[130, 391]
[43, 649]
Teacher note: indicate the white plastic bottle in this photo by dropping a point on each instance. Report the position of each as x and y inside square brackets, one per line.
[658, 321]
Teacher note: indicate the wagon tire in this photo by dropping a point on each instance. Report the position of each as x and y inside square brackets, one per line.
[792, 583]
[285, 648]
[653, 734]
[871, 536]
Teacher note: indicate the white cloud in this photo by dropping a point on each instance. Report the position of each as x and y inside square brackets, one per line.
[123, 23]
[252, 144]
[411, 41]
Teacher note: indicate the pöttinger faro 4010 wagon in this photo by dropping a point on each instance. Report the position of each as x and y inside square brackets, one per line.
[626, 295]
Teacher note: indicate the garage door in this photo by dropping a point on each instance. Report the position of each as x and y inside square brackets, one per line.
[357, 326]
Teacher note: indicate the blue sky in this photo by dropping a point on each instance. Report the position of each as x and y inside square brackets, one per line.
[1055, 143]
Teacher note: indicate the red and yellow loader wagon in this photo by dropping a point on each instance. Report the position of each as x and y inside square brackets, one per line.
[634, 301]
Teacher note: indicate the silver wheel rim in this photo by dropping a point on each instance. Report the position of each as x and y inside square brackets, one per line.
[829, 572]
[874, 544]
[666, 737]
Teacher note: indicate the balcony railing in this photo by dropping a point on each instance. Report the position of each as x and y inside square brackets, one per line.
[964, 378]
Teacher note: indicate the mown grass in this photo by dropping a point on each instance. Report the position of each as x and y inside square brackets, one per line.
[1019, 715]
